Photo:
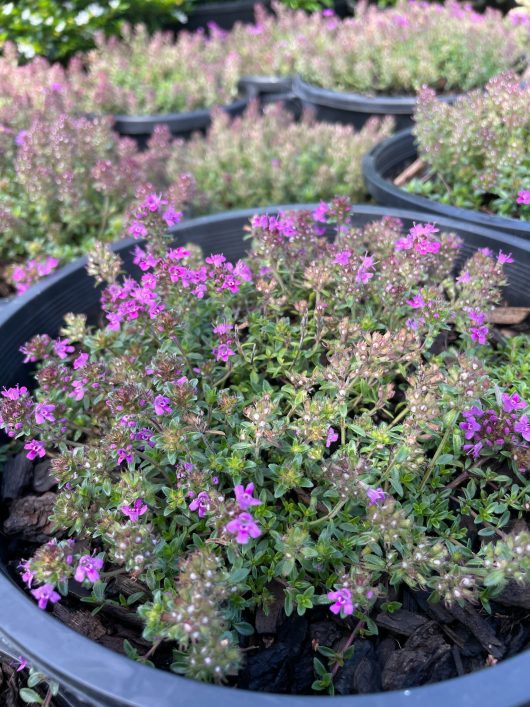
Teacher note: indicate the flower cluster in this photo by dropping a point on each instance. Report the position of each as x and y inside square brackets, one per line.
[476, 150]
[279, 419]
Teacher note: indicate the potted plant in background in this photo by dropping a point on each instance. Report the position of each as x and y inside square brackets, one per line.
[468, 161]
[209, 477]
[375, 62]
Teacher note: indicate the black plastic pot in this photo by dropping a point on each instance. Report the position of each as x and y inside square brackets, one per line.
[224, 14]
[140, 127]
[354, 108]
[391, 157]
[97, 676]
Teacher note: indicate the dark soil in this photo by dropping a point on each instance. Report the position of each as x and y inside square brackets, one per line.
[419, 644]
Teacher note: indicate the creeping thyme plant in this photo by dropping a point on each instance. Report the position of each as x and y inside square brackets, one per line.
[318, 415]
[65, 181]
[477, 151]
[272, 159]
[448, 47]
[143, 74]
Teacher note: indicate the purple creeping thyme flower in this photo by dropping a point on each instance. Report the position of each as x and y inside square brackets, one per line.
[375, 496]
[243, 527]
[135, 511]
[14, 393]
[26, 574]
[44, 413]
[523, 427]
[503, 258]
[222, 328]
[137, 230]
[416, 302]
[470, 427]
[523, 197]
[153, 202]
[20, 138]
[21, 662]
[62, 348]
[332, 436]
[178, 253]
[463, 278]
[321, 212]
[45, 594]
[88, 568]
[201, 504]
[35, 449]
[342, 602]
[125, 454]
[512, 402]
[244, 496]
[162, 405]
[479, 334]
[343, 257]
[223, 352]
[172, 217]
[80, 361]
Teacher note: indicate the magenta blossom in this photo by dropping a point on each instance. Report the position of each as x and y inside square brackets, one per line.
[22, 663]
[27, 575]
[243, 527]
[35, 449]
[222, 328]
[523, 427]
[375, 496]
[162, 405]
[153, 202]
[80, 361]
[137, 230]
[342, 602]
[503, 258]
[45, 594]
[223, 352]
[512, 402]
[321, 212]
[244, 496]
[523, 197]
[332, 436]
[62, 348]
[416, 302]
[178, 253]
[88, 568]
[44, 413]
[343, 257]
[479, 334]
[172, 217]
[14, 393]
[201, 504]
[135, 511]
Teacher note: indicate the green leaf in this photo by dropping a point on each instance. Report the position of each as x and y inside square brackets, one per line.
[30, 697]
[244, 628]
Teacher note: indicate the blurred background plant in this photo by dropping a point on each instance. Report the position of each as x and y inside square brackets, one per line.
[477, 150]
[257, 160]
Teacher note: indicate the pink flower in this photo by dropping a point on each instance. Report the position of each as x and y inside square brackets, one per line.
[178, 253]
[80, 361]
[342, 602]
[503, 258]
[476, 316]
[26, 575]
[464, 277]
[222, 328]
[321, 212]
[22, 663]
[425, 246]
[523, 197]
[215, 260]
[88, 568]
[135, 511]
[223, 352]
[512, 402]
[137, 230]
[331, 437]
[35, 449]
[423, 230]
[244, 496]
[44, 413]
[201, 504]
[243, 271]
[375, 496]
[125, 455]
[45, 594]
[243, 527]
[153, 202]
[172, 217]
[62, 348]
[14, 393]
[343, 257]
[162, 405]
[416, 302]
[79, 390]
[479, 334]
[523, 427]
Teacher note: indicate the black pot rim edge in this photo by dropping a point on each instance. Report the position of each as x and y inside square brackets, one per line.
[375, 182]
[81, 663]
[346, 100]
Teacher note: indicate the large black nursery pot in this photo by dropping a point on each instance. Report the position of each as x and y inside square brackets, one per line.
[96, 676]
[184, 124]
[223, 14]
[355, 108]
[388, 159]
